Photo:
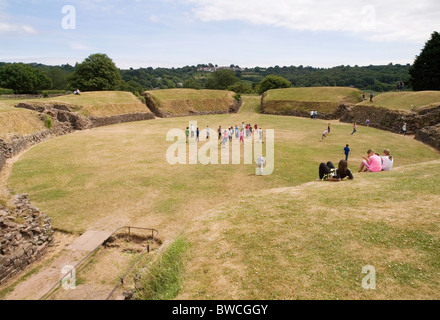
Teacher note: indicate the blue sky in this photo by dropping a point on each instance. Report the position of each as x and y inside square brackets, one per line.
[249, 33]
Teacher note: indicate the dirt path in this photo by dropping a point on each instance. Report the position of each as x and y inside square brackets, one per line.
[5, 174]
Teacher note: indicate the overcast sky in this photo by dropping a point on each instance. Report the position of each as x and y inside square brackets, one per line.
[249, 33]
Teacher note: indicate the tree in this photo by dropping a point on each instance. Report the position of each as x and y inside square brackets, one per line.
[240, 87]
[272, 82]
[425, 72]
[221, 79]
[96, 73]
[192, 83]
[23, 78]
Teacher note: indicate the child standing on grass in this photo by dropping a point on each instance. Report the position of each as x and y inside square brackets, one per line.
[241, 135]
[354, 128]
[261, 136]
[225, 138]
[197, 135]
[328, 128]
[346, 152]
[187, 134]
[207, 132]
[260, 164]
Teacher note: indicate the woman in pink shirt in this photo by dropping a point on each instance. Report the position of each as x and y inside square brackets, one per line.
[373, 163]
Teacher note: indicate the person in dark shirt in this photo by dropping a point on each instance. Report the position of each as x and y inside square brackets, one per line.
[328, 172]
[347, 151]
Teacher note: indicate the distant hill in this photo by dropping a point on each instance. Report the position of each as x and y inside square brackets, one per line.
[381, 78]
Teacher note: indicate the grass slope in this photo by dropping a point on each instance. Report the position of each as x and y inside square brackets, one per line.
[405, 100]
[98, 104]
[322, 99]
[312, 242]
[184, 101]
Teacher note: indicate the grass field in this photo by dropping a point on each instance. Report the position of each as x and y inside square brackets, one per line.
[184, 101]
[283, 236]
[98, 104]
[406, 100]
[321, 99]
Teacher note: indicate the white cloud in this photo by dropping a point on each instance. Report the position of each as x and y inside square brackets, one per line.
[16, 28]
[80, 47]
[376, 20]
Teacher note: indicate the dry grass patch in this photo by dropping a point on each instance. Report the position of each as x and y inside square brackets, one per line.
[177, 102]
[98, 104]
[19, 122]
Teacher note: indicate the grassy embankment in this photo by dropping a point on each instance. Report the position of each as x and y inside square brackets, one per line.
[406, 100]
[177, 102]
[98, 104]
[322, 99]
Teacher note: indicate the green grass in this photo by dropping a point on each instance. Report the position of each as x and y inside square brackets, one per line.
[249, 241]
[121, 171]
[296, 244]
[164, 277]
[406, 100]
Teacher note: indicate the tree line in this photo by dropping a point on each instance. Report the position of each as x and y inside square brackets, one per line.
[99, 72]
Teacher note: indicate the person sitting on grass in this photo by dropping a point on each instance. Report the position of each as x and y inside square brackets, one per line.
[387, 160]
[372, 163]
[328, 172]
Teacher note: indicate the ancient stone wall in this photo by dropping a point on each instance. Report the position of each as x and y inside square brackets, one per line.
[131, 117]
[25, 234]
[430, 136]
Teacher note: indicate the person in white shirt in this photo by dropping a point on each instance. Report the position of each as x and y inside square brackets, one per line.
[207, 132]
[260, 164]
[387, 160]
[191, 128]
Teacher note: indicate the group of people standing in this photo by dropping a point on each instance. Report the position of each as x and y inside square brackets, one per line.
[244, 131]
[224, 135]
